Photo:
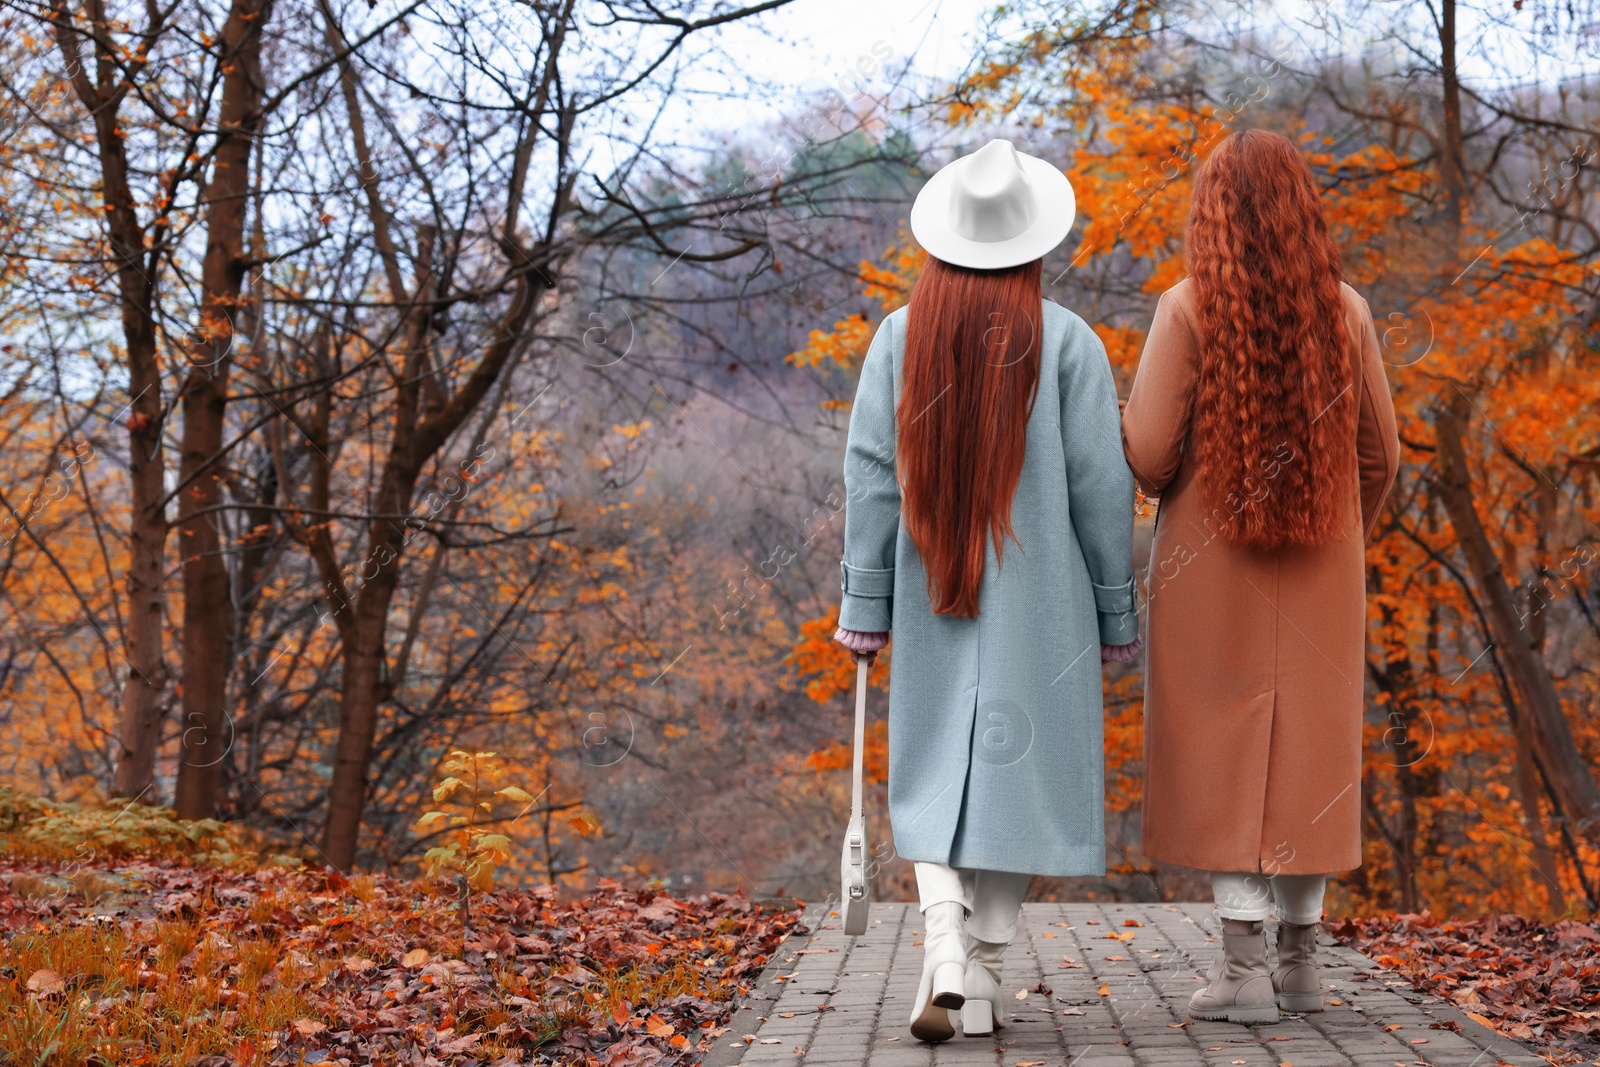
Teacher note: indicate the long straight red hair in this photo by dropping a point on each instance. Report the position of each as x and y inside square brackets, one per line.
[969, 377]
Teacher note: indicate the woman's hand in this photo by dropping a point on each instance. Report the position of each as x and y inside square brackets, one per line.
[861, 645]
[1121, 653]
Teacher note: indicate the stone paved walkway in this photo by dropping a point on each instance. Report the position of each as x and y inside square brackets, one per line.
[1084, 998]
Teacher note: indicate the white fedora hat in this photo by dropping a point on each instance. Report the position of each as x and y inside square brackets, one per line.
[996, 207]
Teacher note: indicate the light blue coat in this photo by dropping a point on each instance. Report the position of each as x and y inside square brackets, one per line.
[995, 723]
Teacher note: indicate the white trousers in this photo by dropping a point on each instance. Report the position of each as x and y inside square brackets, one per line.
[992, 899]
[1250, 896]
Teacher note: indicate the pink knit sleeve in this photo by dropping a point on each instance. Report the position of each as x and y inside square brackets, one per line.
[857, 641]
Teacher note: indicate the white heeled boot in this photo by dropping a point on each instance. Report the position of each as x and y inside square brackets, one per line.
[944, 966]
[985, 1005]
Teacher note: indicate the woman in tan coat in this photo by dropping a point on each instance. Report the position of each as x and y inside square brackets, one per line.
[1261, 417]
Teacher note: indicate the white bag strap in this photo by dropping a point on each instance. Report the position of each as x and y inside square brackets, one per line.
[856, 810]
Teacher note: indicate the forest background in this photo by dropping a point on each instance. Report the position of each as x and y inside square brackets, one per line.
[384, 379]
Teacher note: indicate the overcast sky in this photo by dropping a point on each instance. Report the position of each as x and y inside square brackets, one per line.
[737, 81]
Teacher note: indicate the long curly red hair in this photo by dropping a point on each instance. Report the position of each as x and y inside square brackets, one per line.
[968, 381]
[1273, 437]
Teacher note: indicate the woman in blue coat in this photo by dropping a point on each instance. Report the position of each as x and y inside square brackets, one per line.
[985, 412]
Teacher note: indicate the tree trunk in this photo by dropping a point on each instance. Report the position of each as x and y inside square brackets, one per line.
[1406, 855]
[144, 691]
[424, 421]
[208, 609]
[359, 697]
[1571, 780]
[1529, 788]
[418, 436]
[1452, 157]
[1528, 792]
[363, 652]
[1394, 680]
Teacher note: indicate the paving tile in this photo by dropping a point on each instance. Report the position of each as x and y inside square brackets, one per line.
[1102, 985]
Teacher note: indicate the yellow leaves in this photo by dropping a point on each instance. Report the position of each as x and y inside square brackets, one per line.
[846, 344]
[971, 98]
[891, 285]
[605, 591]
[459, 761]
[471, 852]
[1123, 344]
[959, 112]
[875, 757]
[439, 859]
[498, 844]
[843, 346]
[824, 662]
[1167, 273]
[1366, 193]
[992, 76]
[507, 701]
[479, 874]
[633, 430]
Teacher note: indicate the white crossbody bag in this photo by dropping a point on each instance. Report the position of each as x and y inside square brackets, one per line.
[854, 895]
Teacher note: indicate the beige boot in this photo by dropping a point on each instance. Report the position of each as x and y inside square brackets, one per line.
[985, 1005]
[1295, 978]
[1243, 992]
[944, 965]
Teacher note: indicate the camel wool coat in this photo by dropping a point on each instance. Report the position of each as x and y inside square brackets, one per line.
[1254, 681]
[996, 722]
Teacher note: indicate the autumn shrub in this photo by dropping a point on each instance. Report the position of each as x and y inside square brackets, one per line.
[470, 851]
[100, 829]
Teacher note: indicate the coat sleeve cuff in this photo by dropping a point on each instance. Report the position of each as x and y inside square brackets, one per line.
[1119, 622]
[868, 601]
